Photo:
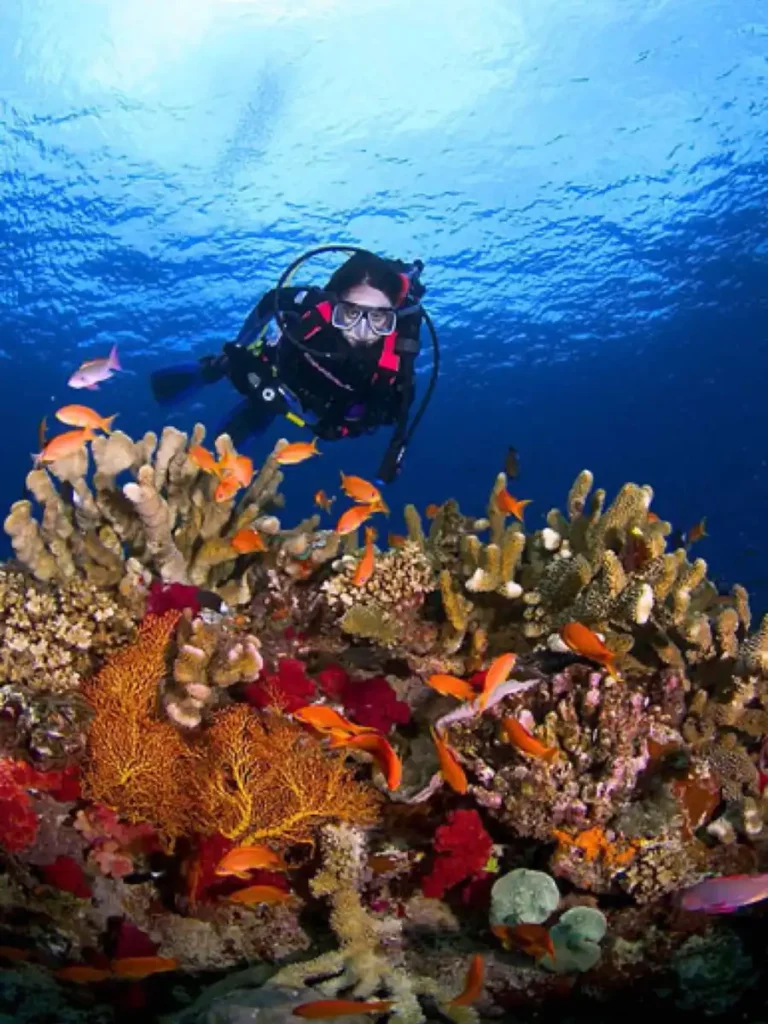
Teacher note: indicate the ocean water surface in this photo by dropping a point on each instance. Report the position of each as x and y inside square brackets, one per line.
[586, 183]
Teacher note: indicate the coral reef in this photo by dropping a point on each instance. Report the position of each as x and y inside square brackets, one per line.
[162, 638]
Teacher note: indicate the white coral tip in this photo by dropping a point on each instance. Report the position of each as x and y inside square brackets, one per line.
[644, 605]
[550, 538]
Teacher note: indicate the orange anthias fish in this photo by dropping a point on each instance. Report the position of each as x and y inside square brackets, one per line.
[697, 532]
[431, 511]
[365, 567]
[240, 466]
[82, 416]
[328, 720]
[361, 491]
[15, 954]
[380, 749]
[518, 735]
[254, 894]
[63, 445]
[227, 488]
[82, 974]
[533, 939]
[396, 540]
[653, 518]
[450, 768]
[240, 861]
[511, 506]
[354, 518]
[452, 686]
[323, 501]
[473, 986]
[582, 640]
[248, 540]
[326, 1009]
[297, 452]
[138, 967]
[204, 459]
[497, 674]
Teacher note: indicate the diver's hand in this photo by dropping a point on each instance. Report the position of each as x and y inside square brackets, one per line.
[391, 465]
[214, 368]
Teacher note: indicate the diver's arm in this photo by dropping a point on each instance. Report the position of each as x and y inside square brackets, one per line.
[289, 300]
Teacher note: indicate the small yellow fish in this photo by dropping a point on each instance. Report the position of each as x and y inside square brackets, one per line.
[297, 452]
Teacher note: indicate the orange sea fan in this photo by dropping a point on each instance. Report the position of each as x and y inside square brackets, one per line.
[136, 764]
[261, 776]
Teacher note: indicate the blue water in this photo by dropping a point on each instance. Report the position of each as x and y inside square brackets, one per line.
[586, 182]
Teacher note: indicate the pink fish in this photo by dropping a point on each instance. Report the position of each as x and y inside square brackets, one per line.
[725, 894]
[92, 372]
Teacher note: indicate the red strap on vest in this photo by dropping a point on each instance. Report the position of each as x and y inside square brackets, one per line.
[389, 359]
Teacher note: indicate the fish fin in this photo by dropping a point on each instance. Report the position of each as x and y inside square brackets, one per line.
[109, 421]
[113, 363]
[93, 387]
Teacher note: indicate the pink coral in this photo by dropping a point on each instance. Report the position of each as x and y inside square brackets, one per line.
[463, 847]
[114, 843]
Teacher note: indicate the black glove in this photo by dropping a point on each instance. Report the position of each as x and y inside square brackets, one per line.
[214, 368]
[391, 464]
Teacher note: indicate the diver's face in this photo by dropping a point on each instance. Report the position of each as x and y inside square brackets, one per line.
[365, 296]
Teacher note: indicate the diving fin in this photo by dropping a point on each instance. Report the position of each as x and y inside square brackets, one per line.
[174, 383]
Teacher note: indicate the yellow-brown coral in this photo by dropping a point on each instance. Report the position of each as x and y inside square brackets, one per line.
[263, 777]
[137, 765]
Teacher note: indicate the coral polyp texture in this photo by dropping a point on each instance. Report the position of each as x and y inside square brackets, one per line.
[222, 747]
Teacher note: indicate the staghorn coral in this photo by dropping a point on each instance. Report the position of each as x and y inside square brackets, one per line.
[165, 519]
[52, 637]
[263, 777]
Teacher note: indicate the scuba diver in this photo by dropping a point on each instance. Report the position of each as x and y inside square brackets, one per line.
[338, 360]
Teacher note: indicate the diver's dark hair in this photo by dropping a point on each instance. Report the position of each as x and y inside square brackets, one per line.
[367, 268]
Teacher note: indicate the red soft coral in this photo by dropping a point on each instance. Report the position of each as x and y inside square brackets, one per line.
[18, 822]
[463, 847]
[289, 687]
[171, 597]
[332, 680]
[373, 702]
[67, 875]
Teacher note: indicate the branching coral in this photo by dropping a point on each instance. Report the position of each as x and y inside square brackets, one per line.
[165, 519]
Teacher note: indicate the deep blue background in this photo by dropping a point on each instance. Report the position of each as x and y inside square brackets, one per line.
[586, 182]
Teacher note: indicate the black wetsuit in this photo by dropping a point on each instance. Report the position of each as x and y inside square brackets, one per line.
[340, 397]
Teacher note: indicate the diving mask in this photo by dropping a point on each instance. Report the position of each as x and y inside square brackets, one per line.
[381, 320]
